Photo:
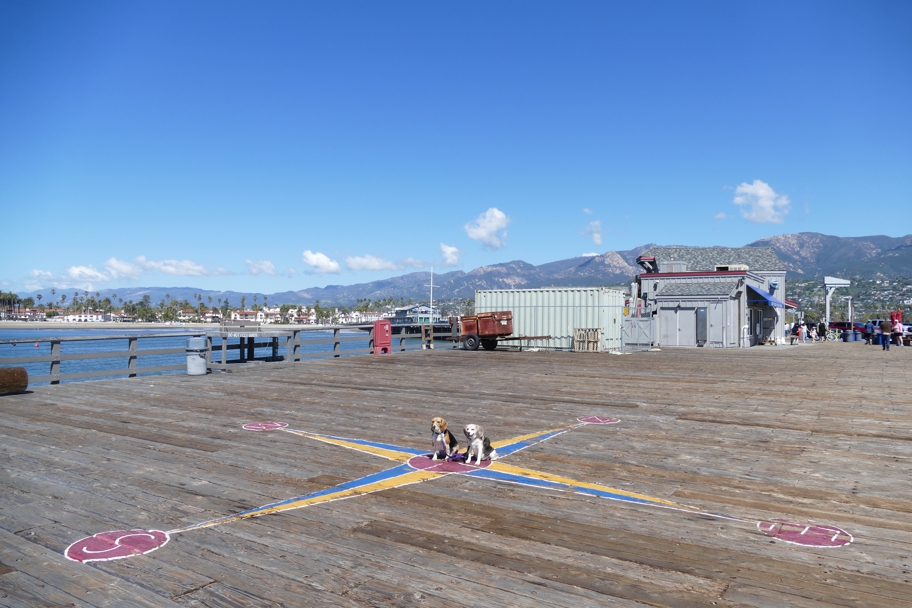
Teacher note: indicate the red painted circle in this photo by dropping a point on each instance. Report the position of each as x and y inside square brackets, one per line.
[809, 535]
[599, 420]
[264, 426]
[116, 544]
[425, 463]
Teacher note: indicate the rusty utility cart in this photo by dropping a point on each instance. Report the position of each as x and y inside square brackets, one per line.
[487, 329]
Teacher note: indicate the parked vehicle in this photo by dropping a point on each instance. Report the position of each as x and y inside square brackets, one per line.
[485, 329]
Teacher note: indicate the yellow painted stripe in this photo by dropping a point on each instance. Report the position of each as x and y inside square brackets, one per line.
[506, 468]
[368, 449]
[498, 444]
[386, 484]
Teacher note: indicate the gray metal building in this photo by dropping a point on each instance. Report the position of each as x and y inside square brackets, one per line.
[713, 296]
[559, 312]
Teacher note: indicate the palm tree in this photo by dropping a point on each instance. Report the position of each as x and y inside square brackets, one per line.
[243, 301]
[39, 296]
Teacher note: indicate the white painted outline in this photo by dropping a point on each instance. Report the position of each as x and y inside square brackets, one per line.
[602, 420]
[838, 531]
[252, 426]
[117, 545]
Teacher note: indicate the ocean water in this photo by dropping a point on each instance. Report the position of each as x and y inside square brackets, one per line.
[30, 343]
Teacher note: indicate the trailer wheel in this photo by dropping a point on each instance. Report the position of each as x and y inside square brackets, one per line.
[470, 342]
[489, 344]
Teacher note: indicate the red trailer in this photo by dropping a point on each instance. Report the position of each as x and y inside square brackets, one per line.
[485, 328]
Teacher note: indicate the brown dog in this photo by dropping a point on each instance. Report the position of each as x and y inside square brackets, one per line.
[443, 442]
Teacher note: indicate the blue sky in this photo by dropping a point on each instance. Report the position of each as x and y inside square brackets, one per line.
[276, 146]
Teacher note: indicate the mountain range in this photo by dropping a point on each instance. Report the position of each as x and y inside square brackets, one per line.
[806, 255]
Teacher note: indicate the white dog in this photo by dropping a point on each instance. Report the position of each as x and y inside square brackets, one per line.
[479, 445]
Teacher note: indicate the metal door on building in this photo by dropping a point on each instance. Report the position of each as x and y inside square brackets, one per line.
[679, 326]
[668, 327]
[702, 326]
[717, 325]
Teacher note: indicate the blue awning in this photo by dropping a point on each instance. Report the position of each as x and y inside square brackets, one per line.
[755, 295]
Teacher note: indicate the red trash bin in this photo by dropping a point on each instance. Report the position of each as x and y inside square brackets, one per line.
[383, 337]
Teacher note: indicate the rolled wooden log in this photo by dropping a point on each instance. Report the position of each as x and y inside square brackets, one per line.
[13, 380]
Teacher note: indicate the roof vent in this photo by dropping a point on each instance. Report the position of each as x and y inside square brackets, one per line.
[732, 268]
[671, 266]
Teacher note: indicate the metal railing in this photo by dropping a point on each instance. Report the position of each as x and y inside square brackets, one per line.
[286, 347]
[132, 355]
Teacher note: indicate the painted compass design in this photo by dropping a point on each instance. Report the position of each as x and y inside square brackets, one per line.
[416, 466]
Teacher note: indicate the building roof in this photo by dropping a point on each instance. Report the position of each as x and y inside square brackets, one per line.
[708, 288]
[699, 259]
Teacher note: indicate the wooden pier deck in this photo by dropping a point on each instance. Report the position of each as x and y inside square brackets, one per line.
[816, 434]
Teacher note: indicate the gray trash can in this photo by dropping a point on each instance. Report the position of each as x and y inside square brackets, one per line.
[196, 356]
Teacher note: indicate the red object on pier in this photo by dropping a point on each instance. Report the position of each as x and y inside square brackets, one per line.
[383, 337]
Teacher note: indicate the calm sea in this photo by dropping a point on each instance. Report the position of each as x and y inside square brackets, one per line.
[28, 343]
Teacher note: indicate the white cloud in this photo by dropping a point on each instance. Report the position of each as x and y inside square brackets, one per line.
[591, 255]
[85, 273]
[760, 204]
[594, 229]
[113, 269]
[487, 225]
[450, 255]
[261, 267]
[86, 276]
[412, 263]
[587, 210]
[320, 262]
[721, 216]
[369, 262]
[120, 269]
[183, 268]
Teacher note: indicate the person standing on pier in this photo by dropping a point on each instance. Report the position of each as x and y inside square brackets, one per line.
[886, 328]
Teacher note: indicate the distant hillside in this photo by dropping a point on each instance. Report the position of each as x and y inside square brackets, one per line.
[810, 254]
[805, 255]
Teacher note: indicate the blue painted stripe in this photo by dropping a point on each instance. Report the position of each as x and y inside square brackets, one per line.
[376, 444]
[348, 485]
[525, 443]
[551, 485]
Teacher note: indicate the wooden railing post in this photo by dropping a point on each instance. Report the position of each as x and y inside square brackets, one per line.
[131, 360]
[55, 361]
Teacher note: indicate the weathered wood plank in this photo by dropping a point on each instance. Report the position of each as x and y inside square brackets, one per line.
[720, 430]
